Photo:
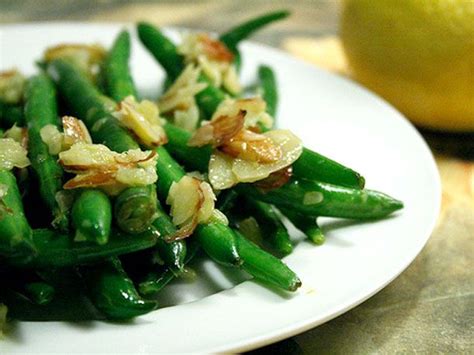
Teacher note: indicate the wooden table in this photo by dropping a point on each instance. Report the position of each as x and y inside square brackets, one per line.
[430, 307]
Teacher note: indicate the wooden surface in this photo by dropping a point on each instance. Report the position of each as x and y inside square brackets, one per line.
[427, 309]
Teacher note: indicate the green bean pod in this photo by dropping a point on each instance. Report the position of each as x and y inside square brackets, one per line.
[92, 217]
[306, 224]
[134, 205]
[268, 87]
[119, 83]
[155, 280]
[235, 35]
[113, 293]
[41, 110]
[30, 285]
[11, 114]
[16, 245]
[172, 253]
[163, 49]
[269, 221]
[59, 250]
[265, 267]
[314, 198]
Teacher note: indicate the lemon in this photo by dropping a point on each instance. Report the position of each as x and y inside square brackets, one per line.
[417, 54]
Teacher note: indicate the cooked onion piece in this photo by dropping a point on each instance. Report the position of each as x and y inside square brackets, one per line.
[214, 58]
[179, 99]
[143, 119]
[192, 202]
[95, 165]
[226, 171]
[12, 84]
[12, 154]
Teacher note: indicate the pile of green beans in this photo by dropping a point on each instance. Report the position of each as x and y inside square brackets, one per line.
[87, 255]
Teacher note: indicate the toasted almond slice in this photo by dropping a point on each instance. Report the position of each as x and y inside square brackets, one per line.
[12, 84]
[215, 49]
[86, 57]
[19, 134]
[276, 179]
[192, 202]
[95, 178]
[75, 131]
[225, 171]
[219, 131]
[250, 146]
[255, 108]
[143, 119]
[220, 171]
[97, 166]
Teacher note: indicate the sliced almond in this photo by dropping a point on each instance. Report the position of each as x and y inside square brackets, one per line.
[143, 119]
[219, 131]
[215, 49]
[75, 131]
[191, 202]
[226, 171]
[252, 146]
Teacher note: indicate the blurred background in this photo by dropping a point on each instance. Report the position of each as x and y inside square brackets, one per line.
[430, 307]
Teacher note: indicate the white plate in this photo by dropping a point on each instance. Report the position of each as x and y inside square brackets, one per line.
[333, 116]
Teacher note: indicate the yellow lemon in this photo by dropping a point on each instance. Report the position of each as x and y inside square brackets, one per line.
[417, 54]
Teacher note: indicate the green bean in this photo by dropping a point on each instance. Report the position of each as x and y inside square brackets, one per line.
[268, 86]
[161, 48]
[69, 302]
[155, 281]
[265, 267]
[273, 229]
[57, 250]
[112, 292]
[132, 206]
[210, 98]
[29, 284]
[11, 114]
[92, 217]
[88, 104]
[95, 109]
[315, 198]
[314, 166]
[226, 200]
[39, 292]
[195, 158]
[306, 224]
[219, 242]
[235, 35]
[41, 110]
[172, 253]
[16, 246]
[119, 83]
